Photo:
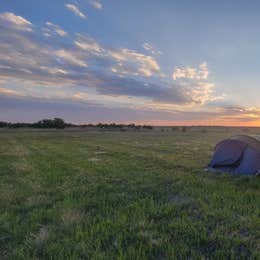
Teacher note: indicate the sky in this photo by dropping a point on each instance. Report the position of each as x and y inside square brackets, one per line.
[166, 62]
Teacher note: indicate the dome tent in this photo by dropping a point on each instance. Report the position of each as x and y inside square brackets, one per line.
[239, 155]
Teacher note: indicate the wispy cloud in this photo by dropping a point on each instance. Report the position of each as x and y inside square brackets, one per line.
[16, 22]
[10, 92]
[52, 29]
[96, 4]
[148, 47]
[75, 9]
[70, 57]
[87, 43]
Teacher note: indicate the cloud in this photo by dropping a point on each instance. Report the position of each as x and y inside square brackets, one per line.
[81, 109]
[69, 57]
[51, 29]
[32, 109]
[148, 47]
[196, 84]
[53, 70]
[73, 8]
[200, 73]
[96, 4]
[119, 86]
[80, 70]
[39, 64]
[10, 92]
[203, 92]
[20, 51]
[132, 62]
[15, 22]
[86, 43]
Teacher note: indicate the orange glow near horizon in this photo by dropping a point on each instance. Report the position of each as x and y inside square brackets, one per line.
[217, 122]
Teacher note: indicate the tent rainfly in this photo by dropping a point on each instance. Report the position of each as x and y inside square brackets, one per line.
[238, 155]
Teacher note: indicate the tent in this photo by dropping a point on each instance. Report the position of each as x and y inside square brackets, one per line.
[238, 155]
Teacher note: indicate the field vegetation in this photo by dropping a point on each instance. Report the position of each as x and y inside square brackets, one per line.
[141, 194]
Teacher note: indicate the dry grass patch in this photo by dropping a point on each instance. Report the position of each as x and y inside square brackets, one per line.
[72, 216]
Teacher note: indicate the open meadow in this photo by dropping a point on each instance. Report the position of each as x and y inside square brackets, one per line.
[78, 194]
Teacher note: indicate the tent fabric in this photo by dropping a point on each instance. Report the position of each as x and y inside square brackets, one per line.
[249, 140]
[238, 155]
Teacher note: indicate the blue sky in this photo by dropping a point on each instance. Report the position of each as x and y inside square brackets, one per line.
[158, 62]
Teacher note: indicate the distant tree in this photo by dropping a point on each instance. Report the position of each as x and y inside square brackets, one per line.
[18, 125]
[59, 123]
[50, 123]
[3, 124]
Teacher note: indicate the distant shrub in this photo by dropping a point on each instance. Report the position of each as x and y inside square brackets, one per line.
[184, 129]
[148, 127]
[175, 128]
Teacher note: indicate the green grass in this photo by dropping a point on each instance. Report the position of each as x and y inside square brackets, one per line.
[122, 195]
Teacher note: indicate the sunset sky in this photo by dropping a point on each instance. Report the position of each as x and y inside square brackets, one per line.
[163, 62]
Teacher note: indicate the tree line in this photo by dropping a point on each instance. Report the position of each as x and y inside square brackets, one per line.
[58, 123]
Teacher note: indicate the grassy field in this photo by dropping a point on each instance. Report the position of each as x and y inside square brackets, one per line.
[123, 195]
